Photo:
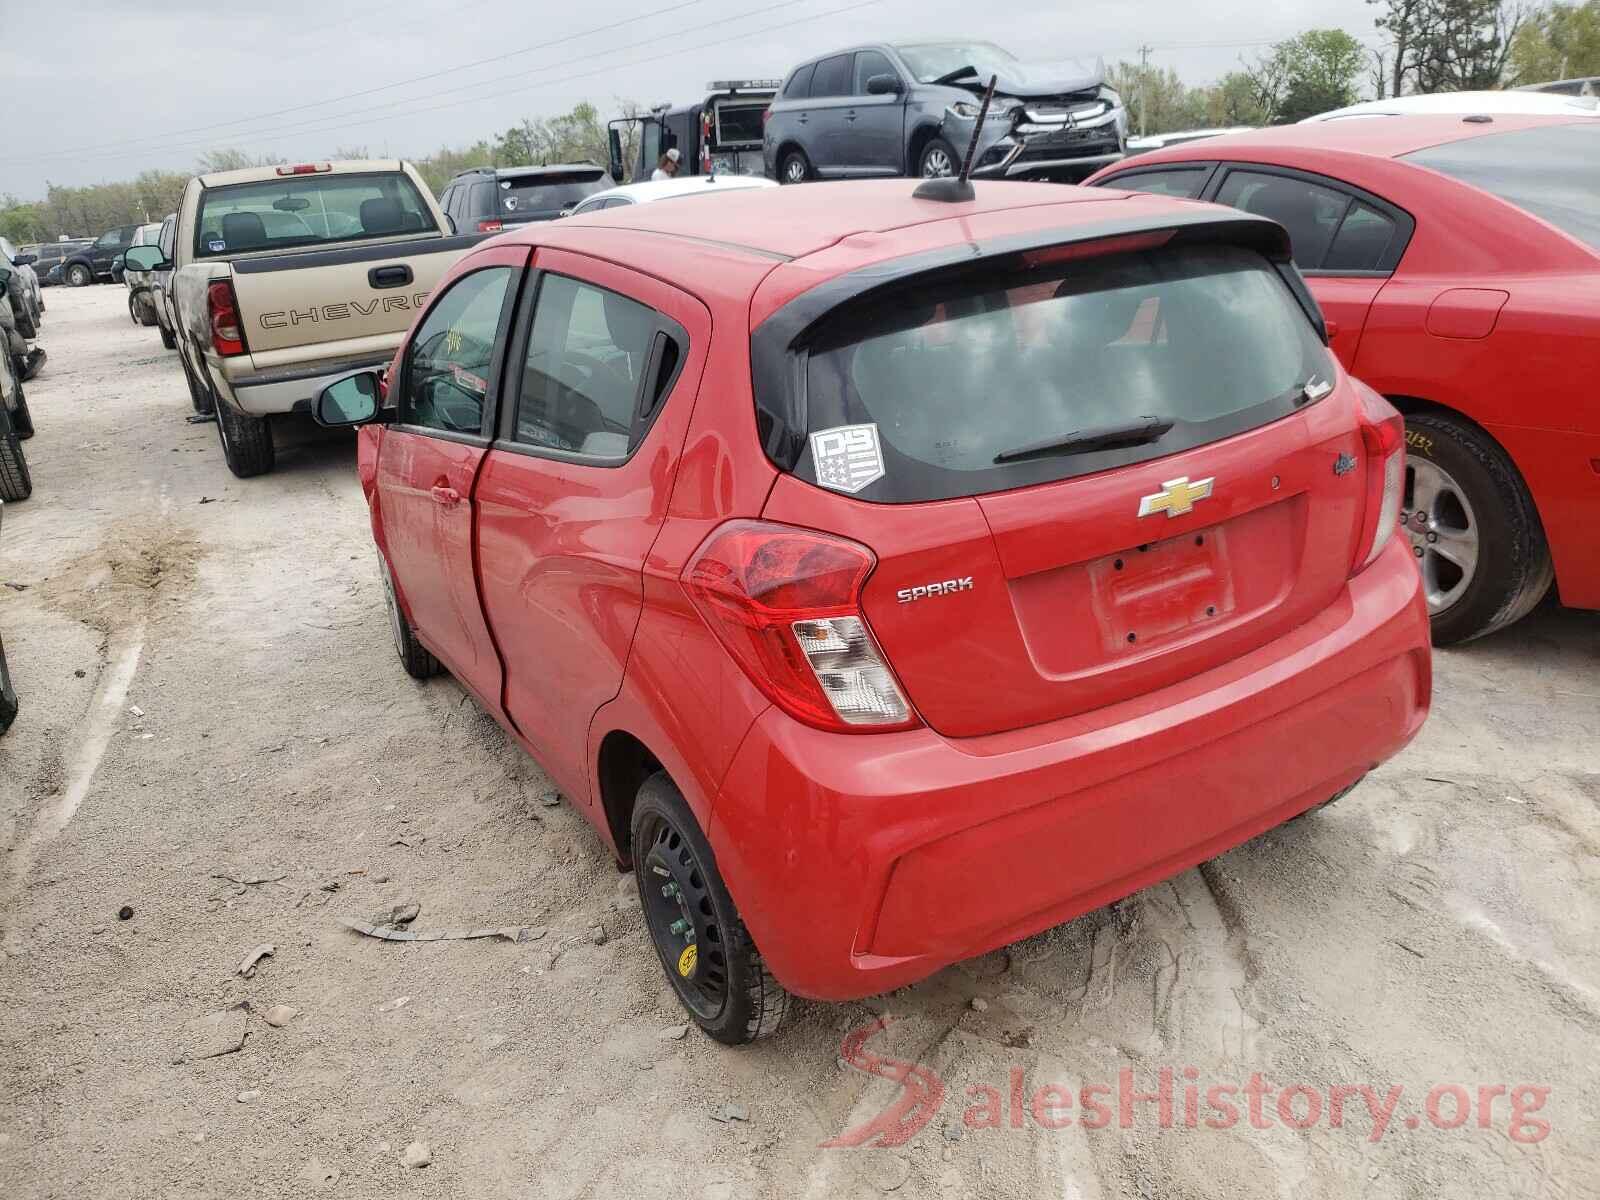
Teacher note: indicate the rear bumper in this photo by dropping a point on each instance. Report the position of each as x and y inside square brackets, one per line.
[289, 389]
[865, 862]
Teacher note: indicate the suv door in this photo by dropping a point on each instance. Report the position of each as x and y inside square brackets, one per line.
[824, 117]
[1347, 242]
[428, 458]
[874, 126]
[600, 382]
[108, 245]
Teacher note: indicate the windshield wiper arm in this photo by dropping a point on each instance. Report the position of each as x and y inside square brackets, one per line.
[1311, 389]
[951, 76]
[1138, 432]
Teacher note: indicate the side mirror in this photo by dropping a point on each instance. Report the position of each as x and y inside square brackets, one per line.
[884, 85]
[614, 138]
[25, 260]
[353, 400]
[144, 258]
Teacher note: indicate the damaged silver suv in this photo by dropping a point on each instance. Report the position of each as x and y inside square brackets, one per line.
[910, 110]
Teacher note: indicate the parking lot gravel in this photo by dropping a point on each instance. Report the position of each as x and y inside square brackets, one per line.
[218, 752]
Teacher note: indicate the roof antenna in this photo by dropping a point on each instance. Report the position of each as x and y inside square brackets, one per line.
[957, 189]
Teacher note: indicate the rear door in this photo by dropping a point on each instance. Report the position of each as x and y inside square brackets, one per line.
[1067, 579]
[874, 126]
[428, 460]
[1347, 242]
[602, 378]
[824, 117]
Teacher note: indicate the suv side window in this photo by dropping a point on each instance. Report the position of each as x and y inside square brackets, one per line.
[591, 353]
[1171, 181]
[800, 83]
[832, 77]
[450, 360]
[482, 199]
[868, 64]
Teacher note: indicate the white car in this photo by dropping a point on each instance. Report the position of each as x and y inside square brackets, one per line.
[1487, 103]
[28, 281]
[668, 189]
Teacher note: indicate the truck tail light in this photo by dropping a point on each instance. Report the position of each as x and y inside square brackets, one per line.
[490, 225]
[786, 604]
[227, 338]
[1383, 433]
[305, 169]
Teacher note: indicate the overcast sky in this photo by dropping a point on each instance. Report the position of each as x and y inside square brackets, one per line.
[102, 89]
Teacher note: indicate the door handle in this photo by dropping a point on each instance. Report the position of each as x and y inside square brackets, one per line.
[803, 118]
[397, 275]
[444, 495]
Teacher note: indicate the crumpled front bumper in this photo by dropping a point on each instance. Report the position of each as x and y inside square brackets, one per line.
[1028, 141]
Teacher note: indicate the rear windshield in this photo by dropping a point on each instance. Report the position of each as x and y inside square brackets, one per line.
[952, 377]
[545, 195]
[1551, 171]
[307, 210]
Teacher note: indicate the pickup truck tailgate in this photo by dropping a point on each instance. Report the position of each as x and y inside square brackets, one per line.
[330, 301]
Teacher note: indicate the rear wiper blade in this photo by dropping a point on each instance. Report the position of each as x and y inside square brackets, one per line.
[1311, 389]
[1139, 432]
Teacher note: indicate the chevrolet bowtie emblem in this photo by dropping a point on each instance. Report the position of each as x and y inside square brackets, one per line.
[1176, 497]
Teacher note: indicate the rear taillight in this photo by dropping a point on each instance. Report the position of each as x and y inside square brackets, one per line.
[786, 603]
[226, 336]
[305, 169]
[766, 115]
[1383, 433]
[493, 225]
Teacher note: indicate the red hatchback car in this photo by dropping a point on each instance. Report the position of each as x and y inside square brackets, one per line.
[888, 580]
[1457, 261]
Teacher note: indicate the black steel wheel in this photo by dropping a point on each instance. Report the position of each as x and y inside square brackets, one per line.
[704, 947]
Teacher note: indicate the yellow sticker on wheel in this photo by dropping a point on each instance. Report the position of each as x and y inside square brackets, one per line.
[687, 960]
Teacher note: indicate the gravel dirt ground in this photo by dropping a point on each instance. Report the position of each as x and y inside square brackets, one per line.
[209, 690]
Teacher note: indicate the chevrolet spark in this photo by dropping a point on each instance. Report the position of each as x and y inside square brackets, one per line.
[888, 580]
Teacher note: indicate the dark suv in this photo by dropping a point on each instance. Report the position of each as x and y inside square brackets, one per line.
[910, 110]
[88, 263]
[51, 255]
[489, 199]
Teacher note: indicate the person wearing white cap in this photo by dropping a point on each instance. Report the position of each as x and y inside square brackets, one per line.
[667, 165]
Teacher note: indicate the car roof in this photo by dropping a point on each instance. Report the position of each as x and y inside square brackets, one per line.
[540, 169]
[336, 167]
[1492, 102]
[662, 189]
[1388, 137]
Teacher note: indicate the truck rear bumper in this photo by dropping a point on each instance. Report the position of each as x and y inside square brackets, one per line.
[288, 389]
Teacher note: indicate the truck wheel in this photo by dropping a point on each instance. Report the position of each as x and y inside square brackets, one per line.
[1473, 528]
[795, 168]
[167, 340]
[199, 394]
[26, 325]
[246, 441]
[8, 694]
[937, 160]
[146, 310]
[21, 418]
[79, 275]
[707, 953]
[15, 482]
[418, 661]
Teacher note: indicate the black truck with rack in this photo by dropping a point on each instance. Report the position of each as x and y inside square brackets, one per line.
[719, 134]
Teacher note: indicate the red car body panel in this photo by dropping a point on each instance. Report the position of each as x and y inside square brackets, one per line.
[862, 861]
[1491, 313]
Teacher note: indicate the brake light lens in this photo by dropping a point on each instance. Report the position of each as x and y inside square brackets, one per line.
[786, 604]
[226, 337]
[492, 225]
[305, 169]
[1383, 433]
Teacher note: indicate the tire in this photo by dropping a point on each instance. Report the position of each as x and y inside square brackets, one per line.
[418, 661]
[26, 325]
[1473, 527]
[794, 167]
[729, 992]
[167, 340]
[15, 482]
[938, 159]
[21, 418]
[246, 441]
[78, 275]
[8, 694]
[199, 395]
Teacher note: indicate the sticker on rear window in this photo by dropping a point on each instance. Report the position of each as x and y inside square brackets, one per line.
[219, 245]
[847, 457]
[511, 204]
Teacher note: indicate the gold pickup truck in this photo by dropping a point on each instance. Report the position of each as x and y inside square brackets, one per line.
[287, 278]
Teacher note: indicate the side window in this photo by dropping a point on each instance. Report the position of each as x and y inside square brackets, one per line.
[1311, 213]
[482, 199]
[832, 77]
[108, 241]
[800, 83]
[589, 353]
[1177, 181]
[168, 239]
[447, 200]
[1363, 240]
[868, 64]
[450, 359]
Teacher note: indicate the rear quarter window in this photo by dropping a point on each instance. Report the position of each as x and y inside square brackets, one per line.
[953, 377]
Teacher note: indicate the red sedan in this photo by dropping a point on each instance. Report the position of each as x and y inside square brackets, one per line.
[1457, 261]
[885, 579]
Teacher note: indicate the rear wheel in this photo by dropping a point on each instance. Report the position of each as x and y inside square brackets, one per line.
[21, 418]
[937, 160]
[167, 340]
[795, 168]
[708, 955]
[1473, 528]
[15, 482]
[78, 275]
[418, 661]
[246, 441]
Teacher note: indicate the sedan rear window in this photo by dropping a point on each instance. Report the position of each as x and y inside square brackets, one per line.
[546, 194]
[971, 385]
[1551, 171]
[305, 210]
